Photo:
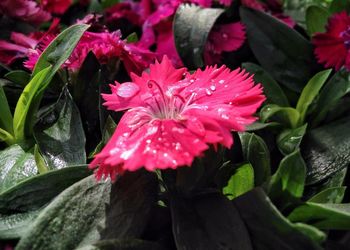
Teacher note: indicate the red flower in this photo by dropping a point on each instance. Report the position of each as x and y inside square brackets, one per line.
[56, 6]
[332, 48]
[25, 10]
[172, 116]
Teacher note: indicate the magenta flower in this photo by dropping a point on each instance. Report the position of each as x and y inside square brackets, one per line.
[223, 38]
[332, 48]
[105, 46]
[56, 6]
[172, 116]
[25, 10]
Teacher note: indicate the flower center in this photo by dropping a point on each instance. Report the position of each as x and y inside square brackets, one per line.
[346, 36]
[165, 105]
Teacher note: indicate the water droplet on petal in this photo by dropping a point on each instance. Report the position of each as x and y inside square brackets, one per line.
[128, 89]
[208, 92]
[224, 116]
[165, 154]
[224, 35]
[148, 141]
[221, 81]
[213, 87]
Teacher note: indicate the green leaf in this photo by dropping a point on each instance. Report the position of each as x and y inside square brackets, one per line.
[132, 38]
[59, 49]
[15, 166]
[33, 193]
[6, 137]
[293, 60]
[26, 100]
[259, 125]
[89, 211]
[333, 91]
[289, 140]
[323, 216]
[289, 178]
[13, 226]
[272, 90]
[207, 221]
[60, 135]
[268, 228]
[256, 153]
[85, 93]
[39, 160]
[326, 150]
[288, 116]
[123, 244]
[6, 120]
[329, 195]
[240, 182]
[310, 91]
[316, 19]
[312, 232]
[19, 77]
[192, 25]
[339, 5]
[108, 3]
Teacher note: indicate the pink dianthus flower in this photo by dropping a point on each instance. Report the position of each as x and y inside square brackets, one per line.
[172, 116]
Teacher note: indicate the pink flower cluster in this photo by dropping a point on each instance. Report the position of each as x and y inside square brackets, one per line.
[173, 115]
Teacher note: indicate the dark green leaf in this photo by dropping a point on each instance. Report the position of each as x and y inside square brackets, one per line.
[326, 150]
[108, 3]
[32, 193]
[59, 49]
[310, 91]
[22, 114]
[192, 25]
[91, 210]
[60, 135]
[123, 244]
[207, 222]
[280, 50]
[268, 229]
[19, 77]
[256, 153]
[289, 140]
[13, 226]
[329, 195]
[334, 90]
[259, 125]
[86, 95]
[6, 120]
[240, 182]
[39, 160]
[290, 117]
[289, 178]
[272, 90]
[15, 166]
[339, 5]
[323, 216]
[316, 19]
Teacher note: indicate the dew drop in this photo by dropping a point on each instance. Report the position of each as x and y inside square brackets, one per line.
[208, 92]
[191, 81]
[221, 81]
[148, 141]
[224, 116]
[128, 89]
[224, 35]
[213, 87]
[165, 154]
[154, 151]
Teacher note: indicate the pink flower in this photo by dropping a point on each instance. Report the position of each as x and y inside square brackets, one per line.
[105, 46]
[332, 48]
[25, 10]
[223, 38]
[172, 116]
[22, 46]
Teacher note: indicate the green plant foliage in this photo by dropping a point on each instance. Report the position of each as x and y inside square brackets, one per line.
[292, 62]
[326, 150]
[289, 139]
[15, 166]
[240, 182]
[192, 25]
[316, 19]
[60, 135]
[257, 154]
[287, 116]
[272, 90]
[77, 216]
